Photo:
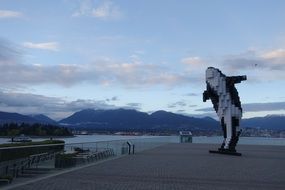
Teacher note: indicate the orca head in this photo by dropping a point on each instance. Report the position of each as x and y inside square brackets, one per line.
[214, 76]
[212, 73]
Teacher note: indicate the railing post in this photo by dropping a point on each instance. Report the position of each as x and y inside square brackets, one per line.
[131, 147]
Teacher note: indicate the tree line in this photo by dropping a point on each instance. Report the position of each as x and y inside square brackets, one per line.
[36, 129]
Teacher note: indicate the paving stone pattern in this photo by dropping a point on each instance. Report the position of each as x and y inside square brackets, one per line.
[178, 166]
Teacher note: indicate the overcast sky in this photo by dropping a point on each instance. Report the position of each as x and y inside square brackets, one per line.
[61, 56]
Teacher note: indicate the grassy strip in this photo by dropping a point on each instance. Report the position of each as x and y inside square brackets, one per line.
[45, 142]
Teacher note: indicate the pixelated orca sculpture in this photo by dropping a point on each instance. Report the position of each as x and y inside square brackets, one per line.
[224, 96]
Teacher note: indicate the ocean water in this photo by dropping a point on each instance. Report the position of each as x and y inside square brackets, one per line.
[173, 139]
[93, 138]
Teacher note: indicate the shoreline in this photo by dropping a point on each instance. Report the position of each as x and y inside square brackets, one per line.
[39, 137]
[175, 139]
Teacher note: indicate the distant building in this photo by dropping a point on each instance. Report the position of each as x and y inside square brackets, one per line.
[21, 138]
[185, 136]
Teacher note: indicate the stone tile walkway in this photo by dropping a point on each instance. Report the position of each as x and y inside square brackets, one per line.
[178, 166]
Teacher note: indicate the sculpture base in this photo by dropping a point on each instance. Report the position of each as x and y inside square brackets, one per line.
[225, 152]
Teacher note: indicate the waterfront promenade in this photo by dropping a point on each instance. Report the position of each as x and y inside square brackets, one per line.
[178, 166]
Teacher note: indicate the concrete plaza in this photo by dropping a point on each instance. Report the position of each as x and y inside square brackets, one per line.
[178, 166]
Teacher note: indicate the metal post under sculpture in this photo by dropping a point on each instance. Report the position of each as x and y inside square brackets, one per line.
[224, 96]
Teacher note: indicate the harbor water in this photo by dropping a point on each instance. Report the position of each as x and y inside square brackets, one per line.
[174, 139]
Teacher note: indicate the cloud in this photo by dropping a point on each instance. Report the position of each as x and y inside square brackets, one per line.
[57, 108]
[84, 9]
[240, 64]
[271, 106]
[180, 103]
[25, 100]
[258, 65]
[270, 60]
[139, 52]
[130, 75]
[114, 98]
[255, 107]
[192, 61]
[194, 64]
[192, 94]
[52, 46]
[206, 114]
[136, 106]
[106, 10]
[274, 54]
[180, 111]
[106, 72]
[136, 73]
[9, 51]
[10, 14]
[83, 104]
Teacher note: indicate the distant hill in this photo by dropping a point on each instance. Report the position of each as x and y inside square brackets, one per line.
[108, 119]
[125, 119]
[6, 117]
[163, 119]
[273, 122]
[43, 119]
[134, 120]
[159, 120]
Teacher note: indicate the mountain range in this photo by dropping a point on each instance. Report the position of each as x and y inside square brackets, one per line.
[125, 119]
[273, 122]
[6, 117]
